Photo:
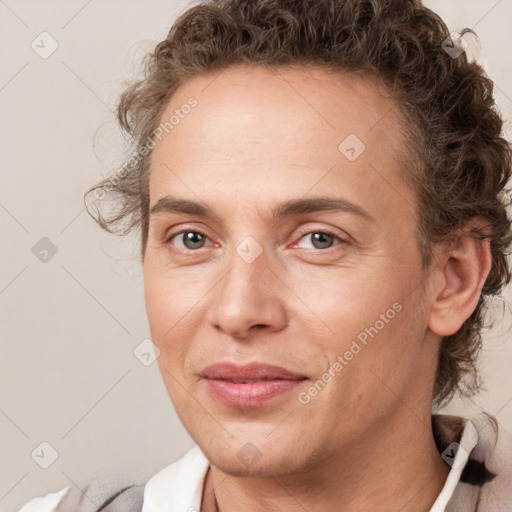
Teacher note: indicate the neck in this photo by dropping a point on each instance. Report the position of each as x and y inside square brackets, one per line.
[397, 467]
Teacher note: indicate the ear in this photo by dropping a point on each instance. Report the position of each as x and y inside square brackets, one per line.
[464, 269]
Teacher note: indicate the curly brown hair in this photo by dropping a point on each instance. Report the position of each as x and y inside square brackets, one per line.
[459, 163]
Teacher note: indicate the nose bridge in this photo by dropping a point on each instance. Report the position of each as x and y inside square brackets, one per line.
[247, 295]
[248, 272]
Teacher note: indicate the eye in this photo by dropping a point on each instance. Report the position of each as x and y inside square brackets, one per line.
[193, 240]
[190, 240]
[321, 239]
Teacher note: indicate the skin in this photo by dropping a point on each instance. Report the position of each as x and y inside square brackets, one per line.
[257, 138]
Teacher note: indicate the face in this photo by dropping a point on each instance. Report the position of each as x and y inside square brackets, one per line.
[282, 275]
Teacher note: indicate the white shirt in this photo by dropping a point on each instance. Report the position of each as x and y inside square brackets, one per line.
[179, 486]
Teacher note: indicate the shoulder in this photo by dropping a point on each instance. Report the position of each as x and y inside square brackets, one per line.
[181, 480]
[485, 481]
[97, 496]
[46, 503]
[101, 496]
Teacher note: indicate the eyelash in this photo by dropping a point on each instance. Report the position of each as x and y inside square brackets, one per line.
[302, 235]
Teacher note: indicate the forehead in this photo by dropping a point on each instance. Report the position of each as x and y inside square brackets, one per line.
[277, 132]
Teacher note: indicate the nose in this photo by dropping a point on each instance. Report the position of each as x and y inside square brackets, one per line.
[249, 298]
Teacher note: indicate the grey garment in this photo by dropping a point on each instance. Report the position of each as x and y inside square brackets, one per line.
[100, 496]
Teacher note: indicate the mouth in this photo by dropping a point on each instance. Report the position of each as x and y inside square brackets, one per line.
[250, 385]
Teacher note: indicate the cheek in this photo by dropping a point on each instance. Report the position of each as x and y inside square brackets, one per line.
[368, 318]
[169, 297]
[176, 306]
[165, 312]
[344, 300]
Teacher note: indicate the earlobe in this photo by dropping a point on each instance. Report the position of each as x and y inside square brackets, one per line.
[466, 267]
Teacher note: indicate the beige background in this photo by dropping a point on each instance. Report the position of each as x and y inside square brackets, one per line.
[69, 326]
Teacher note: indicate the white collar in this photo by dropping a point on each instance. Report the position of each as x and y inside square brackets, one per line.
[178, 486]
[467, 442]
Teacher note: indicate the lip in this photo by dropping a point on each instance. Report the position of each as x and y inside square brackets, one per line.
[250, 385]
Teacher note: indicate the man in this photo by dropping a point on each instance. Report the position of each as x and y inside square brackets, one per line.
[319, 187]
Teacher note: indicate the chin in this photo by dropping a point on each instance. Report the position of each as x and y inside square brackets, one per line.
[263, 458]
[264, 468]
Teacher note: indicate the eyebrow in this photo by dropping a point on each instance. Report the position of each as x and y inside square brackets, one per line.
[292, 207]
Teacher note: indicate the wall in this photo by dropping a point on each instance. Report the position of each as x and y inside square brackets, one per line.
[71, 320]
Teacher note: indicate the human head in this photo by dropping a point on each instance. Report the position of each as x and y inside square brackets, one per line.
[456, 161]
